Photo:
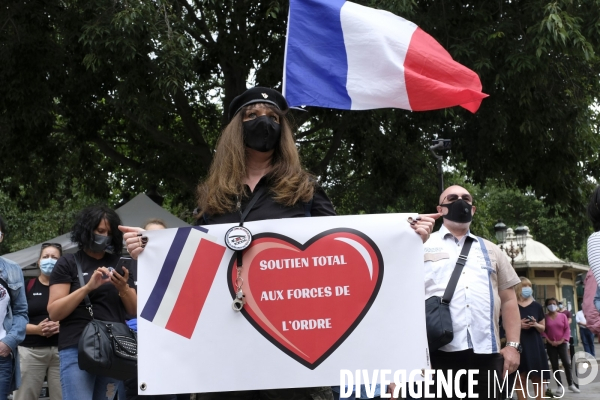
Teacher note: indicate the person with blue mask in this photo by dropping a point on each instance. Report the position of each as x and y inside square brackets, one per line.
[557, 335]
[533, 357]
[38, 353]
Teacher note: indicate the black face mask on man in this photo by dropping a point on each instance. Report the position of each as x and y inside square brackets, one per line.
[459, 211]
[100, 243]
[262, 133]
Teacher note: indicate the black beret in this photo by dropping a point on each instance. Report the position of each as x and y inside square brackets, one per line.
[257, 94]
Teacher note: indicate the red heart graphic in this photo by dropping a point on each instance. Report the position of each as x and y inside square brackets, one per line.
[308, 298]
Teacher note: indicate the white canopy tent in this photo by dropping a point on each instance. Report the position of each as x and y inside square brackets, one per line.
[134, 213]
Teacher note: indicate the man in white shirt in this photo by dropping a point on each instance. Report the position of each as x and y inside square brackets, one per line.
[484, 289]
[587, 337]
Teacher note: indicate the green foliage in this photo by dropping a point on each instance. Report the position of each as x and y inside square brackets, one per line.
[565, 236]
[30, 226]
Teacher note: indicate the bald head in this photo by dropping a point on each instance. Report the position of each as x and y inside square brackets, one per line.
[455, 189]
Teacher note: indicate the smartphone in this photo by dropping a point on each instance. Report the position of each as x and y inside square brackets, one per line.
[123, 262]
[530, 318]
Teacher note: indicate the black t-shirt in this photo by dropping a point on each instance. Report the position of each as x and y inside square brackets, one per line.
[37, 305]
[534, 310]
[106, 303]
[267, 208]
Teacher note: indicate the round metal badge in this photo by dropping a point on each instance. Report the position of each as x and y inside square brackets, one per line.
[238, 238]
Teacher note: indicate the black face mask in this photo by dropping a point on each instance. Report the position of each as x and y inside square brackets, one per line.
[459, 211]
[100, 243]
[262, 133]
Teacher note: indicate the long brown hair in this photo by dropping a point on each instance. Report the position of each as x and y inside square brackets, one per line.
[225, 182]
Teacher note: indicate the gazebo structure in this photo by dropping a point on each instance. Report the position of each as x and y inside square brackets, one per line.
[550, 276]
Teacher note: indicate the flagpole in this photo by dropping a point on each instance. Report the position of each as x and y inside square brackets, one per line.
[440, 144]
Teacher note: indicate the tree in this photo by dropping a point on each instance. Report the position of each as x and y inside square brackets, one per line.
[122, 95]
[566, 237]
[28, 227]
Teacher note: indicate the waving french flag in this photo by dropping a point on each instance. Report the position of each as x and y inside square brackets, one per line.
[346, 56]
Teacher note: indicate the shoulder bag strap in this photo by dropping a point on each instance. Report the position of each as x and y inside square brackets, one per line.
[256, 195]
[244, 214]
[30, 284]
[460, 263]
[88, 303]
[308, 207]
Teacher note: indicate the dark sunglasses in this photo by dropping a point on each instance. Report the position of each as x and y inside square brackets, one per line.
[453, 197]
[57, 245]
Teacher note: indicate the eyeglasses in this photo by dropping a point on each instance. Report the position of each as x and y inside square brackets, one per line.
[57, 245]
[452, 197]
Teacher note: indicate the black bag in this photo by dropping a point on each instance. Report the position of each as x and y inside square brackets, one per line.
[437, 309]
[107, 348]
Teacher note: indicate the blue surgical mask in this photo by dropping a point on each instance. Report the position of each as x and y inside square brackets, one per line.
[47, 265]
[526, 292]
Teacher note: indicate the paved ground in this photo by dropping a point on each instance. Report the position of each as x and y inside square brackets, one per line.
[589, 391]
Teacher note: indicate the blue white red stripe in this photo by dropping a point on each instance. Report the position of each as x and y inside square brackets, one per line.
[189, 269]
[343, 55]
[493, 317]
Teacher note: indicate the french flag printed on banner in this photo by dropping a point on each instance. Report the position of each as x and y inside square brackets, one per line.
[184, 281]
[346, 56]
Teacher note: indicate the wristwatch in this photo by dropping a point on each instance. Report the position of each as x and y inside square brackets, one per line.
[516, 345]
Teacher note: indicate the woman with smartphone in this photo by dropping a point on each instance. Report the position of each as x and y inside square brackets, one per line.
[112, 296]
[39, 352]
[533, 357]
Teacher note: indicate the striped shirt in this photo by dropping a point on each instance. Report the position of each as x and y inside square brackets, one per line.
[594, 254]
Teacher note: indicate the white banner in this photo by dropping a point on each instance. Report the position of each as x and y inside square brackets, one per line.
[321, 294]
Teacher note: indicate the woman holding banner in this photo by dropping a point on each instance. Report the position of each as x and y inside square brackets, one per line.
[255, 175]
[256, 156]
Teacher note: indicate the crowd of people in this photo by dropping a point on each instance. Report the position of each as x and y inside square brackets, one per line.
[257, 174]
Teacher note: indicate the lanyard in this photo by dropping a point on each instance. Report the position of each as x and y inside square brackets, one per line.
[243, 216]
[238, 239]
[251, 204]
